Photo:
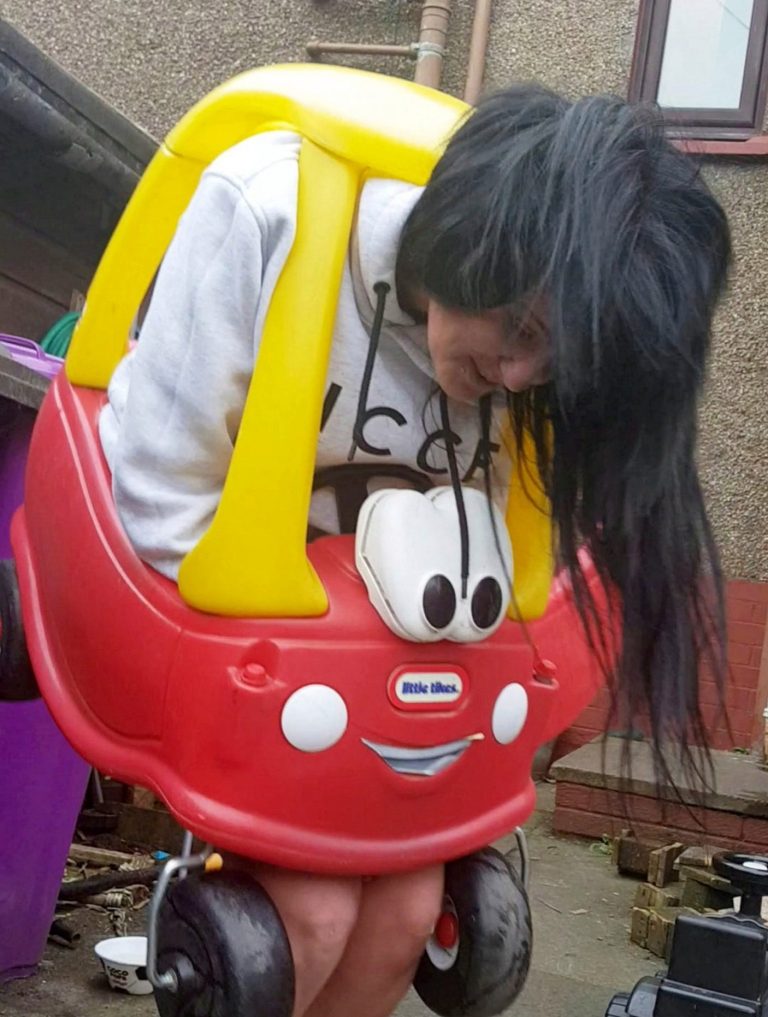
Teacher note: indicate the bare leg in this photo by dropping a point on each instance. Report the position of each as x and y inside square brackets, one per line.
[396, 917]
[319, 914]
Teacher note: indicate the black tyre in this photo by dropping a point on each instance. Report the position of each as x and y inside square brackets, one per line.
[222, 936]
[17, 679]
[478, 958]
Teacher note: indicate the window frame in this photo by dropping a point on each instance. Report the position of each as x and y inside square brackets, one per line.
[702, 124]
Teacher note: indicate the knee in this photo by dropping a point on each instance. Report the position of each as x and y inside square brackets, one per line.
[325, 916]
[422, 903]
[414, 902]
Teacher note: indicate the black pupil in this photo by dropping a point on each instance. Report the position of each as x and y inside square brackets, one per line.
[486, 603]
[439, 602]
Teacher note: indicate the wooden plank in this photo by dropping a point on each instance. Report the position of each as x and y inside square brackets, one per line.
[704, 889]
[632, 856]
[69, 208]
[98, 856]
[661, 864]
[650, 896]
[639, 931]
[40, 264]
[143, 798]
[24, 312]
[699, 856]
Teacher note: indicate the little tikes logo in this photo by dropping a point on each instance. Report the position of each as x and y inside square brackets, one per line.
[415, 689]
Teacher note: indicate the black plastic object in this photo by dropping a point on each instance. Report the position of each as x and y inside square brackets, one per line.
[494, 940]
[639, 1003]
[350, 485]
[618, 1005]
[439, 601]
[487, 603]
[749, 873]
[223, 938]
[719, 963]
[17, 679]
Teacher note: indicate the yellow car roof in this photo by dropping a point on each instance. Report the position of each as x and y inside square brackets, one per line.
[252, 561]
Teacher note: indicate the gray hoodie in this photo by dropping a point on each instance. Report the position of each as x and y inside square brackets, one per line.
[175, 402]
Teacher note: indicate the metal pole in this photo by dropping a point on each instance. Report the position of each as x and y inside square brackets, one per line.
[433, 33]
[315, 49]
[481, 28]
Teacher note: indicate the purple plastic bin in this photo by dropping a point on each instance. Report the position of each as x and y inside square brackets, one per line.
[42, 779]
[27, 352]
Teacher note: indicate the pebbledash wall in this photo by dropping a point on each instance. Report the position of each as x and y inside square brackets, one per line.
[154, 58]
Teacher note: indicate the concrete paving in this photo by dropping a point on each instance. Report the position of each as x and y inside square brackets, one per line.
[582, 953]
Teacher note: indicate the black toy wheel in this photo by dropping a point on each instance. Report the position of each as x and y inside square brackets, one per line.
[749, 872]
[477, 960]
[222, 937]
[17, 679]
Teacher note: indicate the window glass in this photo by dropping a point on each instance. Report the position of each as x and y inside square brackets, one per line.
[704, 54]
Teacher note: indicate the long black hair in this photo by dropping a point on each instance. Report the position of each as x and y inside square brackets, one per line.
[587, 206]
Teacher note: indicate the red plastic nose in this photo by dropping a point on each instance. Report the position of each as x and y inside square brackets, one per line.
[447, 930]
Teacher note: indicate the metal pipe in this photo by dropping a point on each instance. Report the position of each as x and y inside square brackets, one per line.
[525, 857]
[433, 33]
[98, 790]
[478, 47]
[168, 979]
[316, 49]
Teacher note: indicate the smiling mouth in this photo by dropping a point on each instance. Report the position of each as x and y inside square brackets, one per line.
[421, 762]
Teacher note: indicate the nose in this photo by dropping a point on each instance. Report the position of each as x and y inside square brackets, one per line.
[522, 372]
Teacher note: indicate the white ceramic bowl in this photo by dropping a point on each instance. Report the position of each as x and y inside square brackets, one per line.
[124, 959]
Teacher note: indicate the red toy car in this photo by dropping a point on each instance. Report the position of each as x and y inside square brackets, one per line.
[325, 743]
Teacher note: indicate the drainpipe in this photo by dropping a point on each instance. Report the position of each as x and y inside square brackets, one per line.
[481, 27]
[433, 33]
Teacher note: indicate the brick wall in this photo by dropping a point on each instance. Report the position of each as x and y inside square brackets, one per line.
[596, 812]
[747, 689]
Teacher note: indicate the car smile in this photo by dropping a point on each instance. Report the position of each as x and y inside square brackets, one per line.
[425, 762]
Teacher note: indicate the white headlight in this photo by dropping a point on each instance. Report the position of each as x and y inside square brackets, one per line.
[314, 718]
[509, 713]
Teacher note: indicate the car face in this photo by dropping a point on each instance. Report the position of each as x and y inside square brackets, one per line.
[371, 740]
[315, 718]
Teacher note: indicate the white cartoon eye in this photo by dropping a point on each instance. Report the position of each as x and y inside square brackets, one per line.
[314, 718]
[408, 552]
[509, 713]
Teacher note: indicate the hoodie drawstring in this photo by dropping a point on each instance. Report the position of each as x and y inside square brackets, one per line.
[381, 289]
[458, 492]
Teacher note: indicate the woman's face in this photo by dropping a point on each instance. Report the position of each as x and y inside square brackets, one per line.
[477, 352]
